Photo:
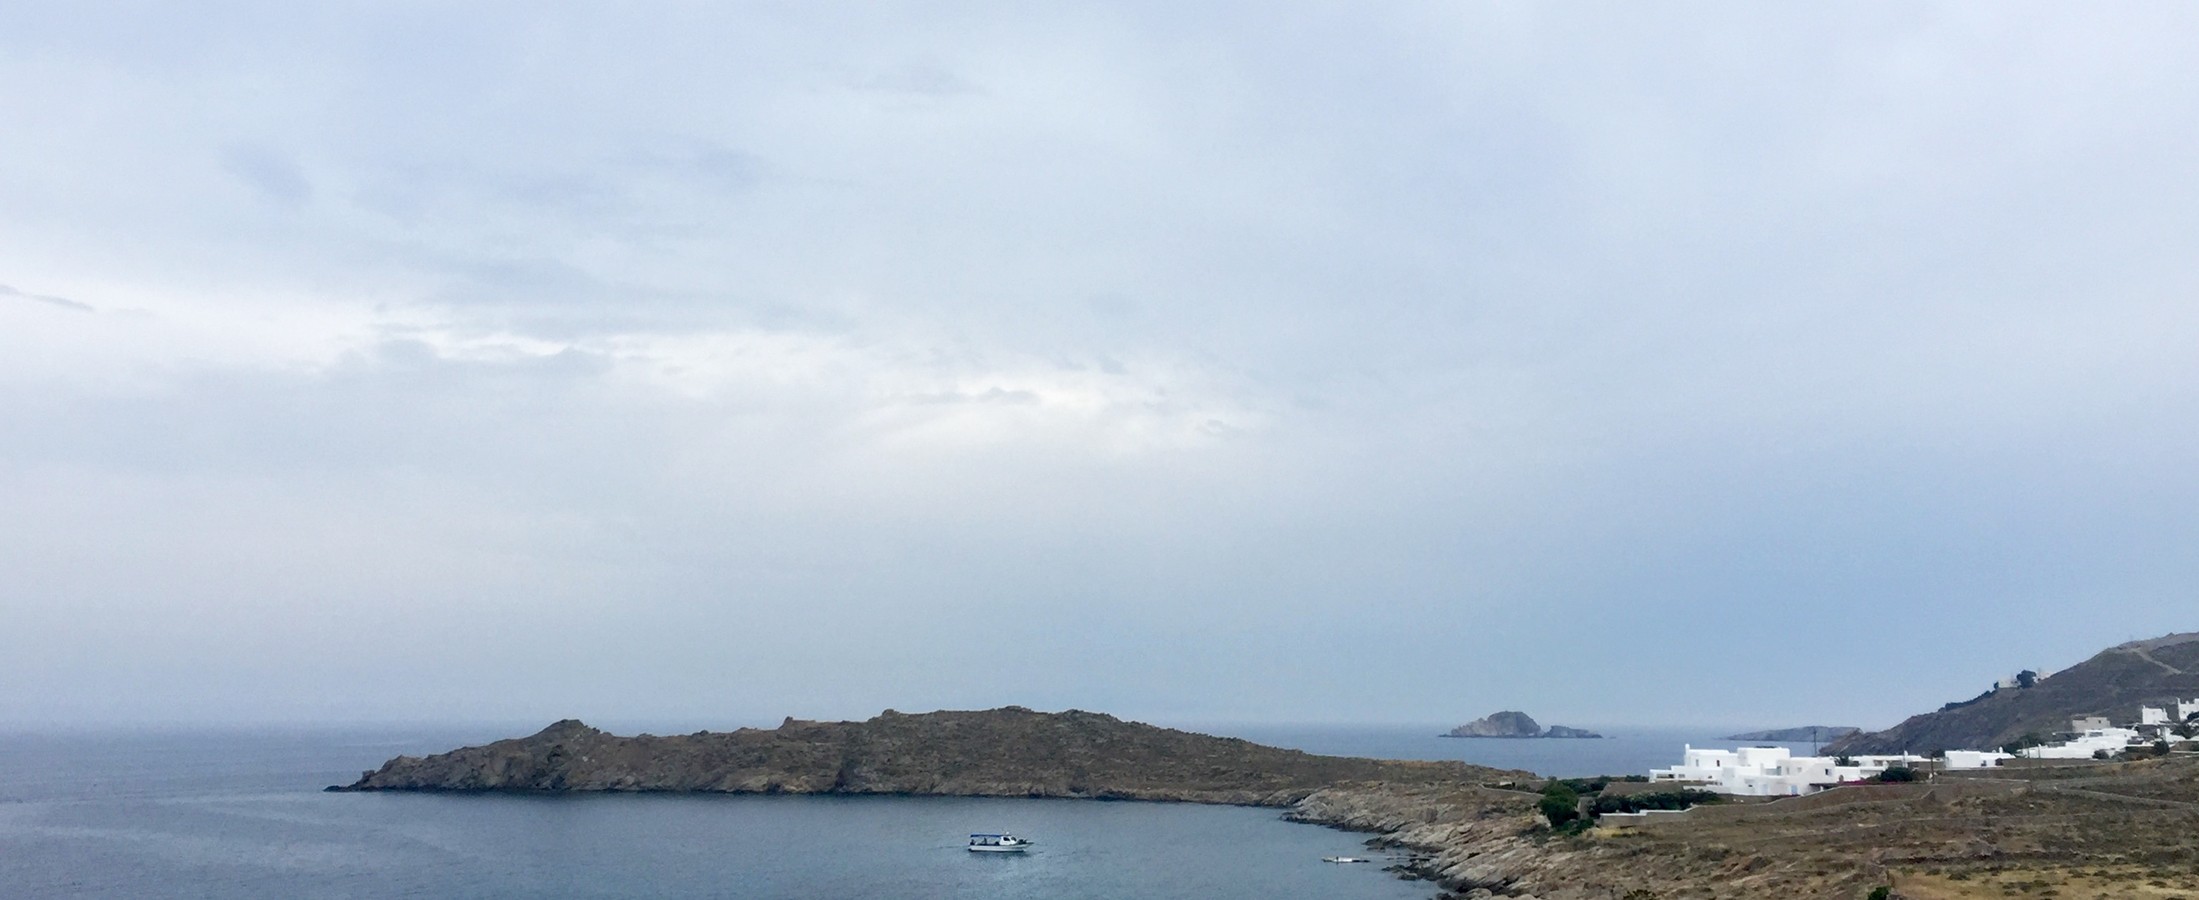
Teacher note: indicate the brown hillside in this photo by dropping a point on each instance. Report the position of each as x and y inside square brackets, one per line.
[1009, 752]
[2113, 683]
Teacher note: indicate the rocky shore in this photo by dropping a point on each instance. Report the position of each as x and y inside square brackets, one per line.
[1473, 841]
[1479, 842]
[1465, 829]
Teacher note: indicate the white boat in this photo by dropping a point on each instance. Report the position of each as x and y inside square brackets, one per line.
[1345, 859]
[998, 843]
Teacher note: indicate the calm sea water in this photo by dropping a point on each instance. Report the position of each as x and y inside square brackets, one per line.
[219, 815]
[1622, 751]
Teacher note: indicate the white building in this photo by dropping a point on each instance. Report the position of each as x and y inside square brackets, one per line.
[1772, 771]
[2086, 745]
[1975, 759]
[2089, 723]
[2152, 715]
[2185, 709]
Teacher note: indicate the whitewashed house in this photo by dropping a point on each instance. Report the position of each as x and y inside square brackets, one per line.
[2152, 715]
[1975, 759]
[2087, 744]
[2185, 709]
[1771, 771]
[2089, 723]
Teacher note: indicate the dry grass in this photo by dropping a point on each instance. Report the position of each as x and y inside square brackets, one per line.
[2122, 832]
[2077, 883]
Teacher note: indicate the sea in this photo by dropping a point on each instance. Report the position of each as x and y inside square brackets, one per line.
[240, 813]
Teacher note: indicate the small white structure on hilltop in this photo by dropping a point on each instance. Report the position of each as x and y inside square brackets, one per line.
[2086, 745]
[1772, 771]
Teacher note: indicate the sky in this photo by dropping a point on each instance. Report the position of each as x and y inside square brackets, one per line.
[1737, 363]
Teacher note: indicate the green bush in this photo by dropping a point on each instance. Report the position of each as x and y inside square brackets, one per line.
[1560, 804]
[1881, 892]
[1897, 775]
[1680, 799]
[1586, 786]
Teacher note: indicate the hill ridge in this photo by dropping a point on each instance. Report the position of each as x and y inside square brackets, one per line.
[1006, 752]
[2113, 683]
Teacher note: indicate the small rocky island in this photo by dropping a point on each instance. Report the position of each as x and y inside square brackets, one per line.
[1007, 752]
[1512, 723]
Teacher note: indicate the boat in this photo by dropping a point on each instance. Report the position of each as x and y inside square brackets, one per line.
[1345, 859]
[998, 843]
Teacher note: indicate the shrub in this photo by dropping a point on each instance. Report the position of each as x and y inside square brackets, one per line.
[1680, 799]
[1560, 804]
[1881, 892]
[1897, 775]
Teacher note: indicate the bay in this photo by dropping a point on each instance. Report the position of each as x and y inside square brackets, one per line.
[241, 814]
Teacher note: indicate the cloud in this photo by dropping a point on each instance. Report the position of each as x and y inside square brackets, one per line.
[1379, 340]
[918, 78]
[274, 176]
[63, 302]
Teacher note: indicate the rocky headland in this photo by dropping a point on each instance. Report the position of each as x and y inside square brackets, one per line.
[1512, 723]
[1474, 832]
[1008, 752]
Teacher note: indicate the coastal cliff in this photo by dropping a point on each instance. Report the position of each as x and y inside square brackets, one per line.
[1008, 752]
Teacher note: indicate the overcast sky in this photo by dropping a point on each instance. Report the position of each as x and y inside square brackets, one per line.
[1716, 363]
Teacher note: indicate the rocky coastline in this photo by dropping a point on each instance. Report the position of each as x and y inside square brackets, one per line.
[1469, 841]
[1470, 831]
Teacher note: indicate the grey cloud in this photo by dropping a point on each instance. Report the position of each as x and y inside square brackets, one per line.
[63, 302]
[707, 165]
[919, 78]
[995, 395]
[1743, 329]
[273, 175]
[555, 300]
